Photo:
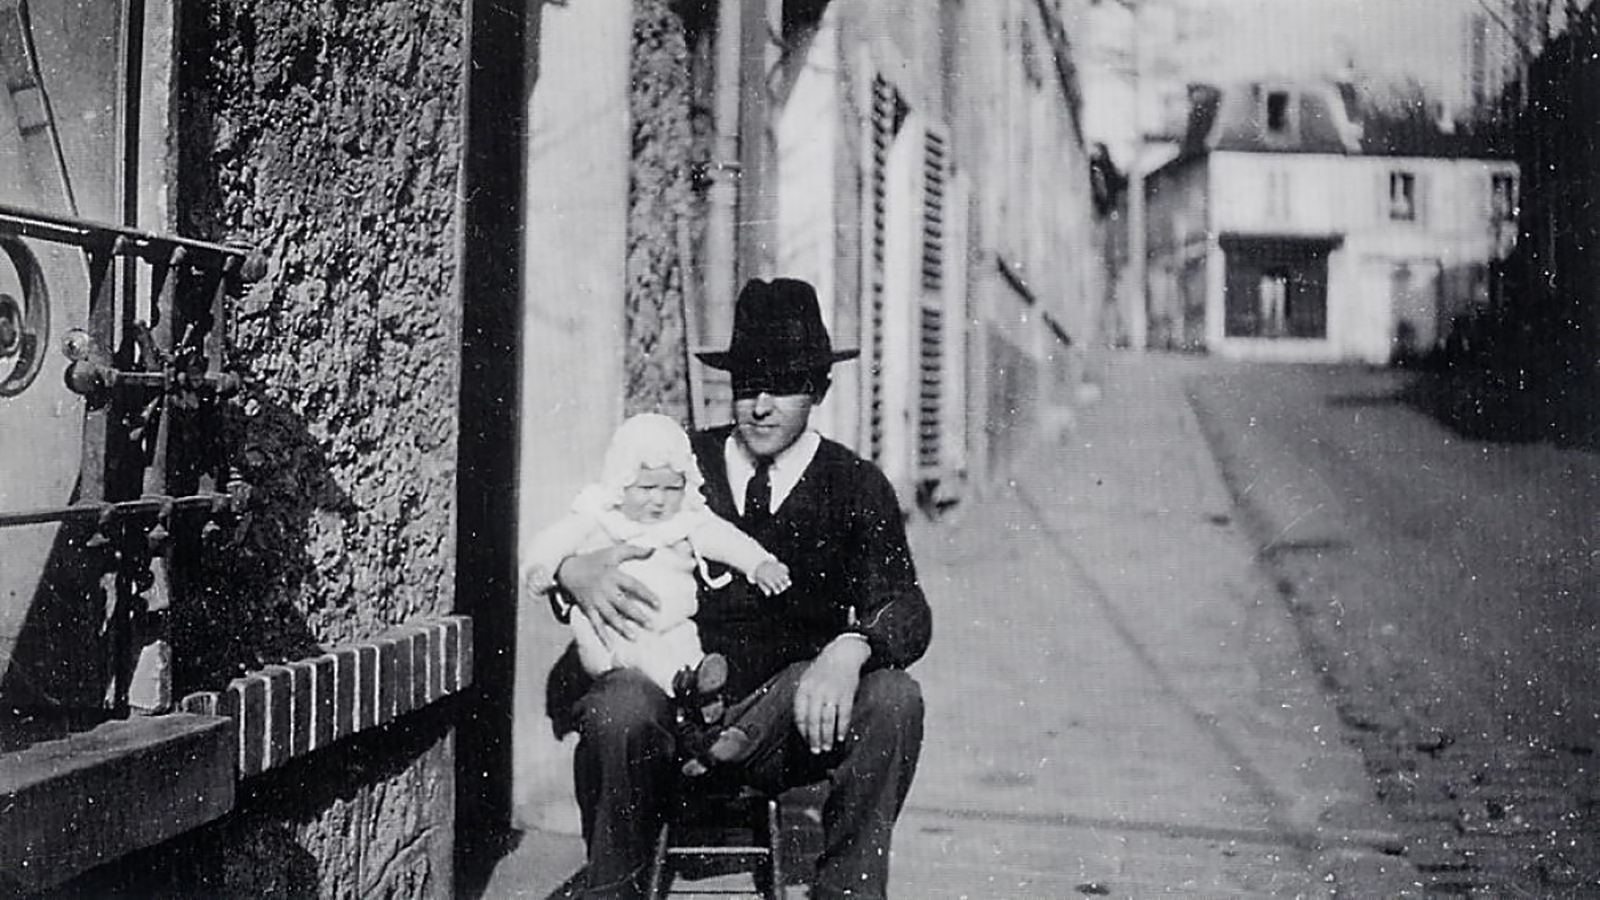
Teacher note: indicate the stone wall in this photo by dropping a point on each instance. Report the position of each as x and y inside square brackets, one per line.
[329, 136]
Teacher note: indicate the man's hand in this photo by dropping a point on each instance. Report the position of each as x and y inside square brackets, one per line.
[607, 595]
[826, 695]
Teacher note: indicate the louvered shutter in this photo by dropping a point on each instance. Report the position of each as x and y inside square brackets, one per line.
[930, 319]
[882, 126]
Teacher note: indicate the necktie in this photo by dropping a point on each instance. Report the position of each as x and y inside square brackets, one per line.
[758, 494]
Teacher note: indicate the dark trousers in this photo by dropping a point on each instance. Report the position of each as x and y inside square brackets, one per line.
[625, 772]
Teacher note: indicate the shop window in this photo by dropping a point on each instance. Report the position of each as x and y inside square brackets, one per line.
[1276, 288]
[1272, 303]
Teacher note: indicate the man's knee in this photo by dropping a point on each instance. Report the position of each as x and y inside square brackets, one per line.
[892, 698]
[623, 704]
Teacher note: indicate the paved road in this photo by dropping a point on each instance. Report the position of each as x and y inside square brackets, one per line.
[1449, 587]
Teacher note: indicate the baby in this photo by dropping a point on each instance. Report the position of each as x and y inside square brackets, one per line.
[649, 496]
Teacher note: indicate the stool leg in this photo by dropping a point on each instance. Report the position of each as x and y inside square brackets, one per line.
[660, 878]
[774, 851]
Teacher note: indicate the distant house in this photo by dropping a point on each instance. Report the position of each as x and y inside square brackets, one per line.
[1287, 229]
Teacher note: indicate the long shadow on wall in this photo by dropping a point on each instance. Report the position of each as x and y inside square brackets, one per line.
[245, 606]
[237, 602]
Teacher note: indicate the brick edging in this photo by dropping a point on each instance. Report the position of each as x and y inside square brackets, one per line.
[283, 712]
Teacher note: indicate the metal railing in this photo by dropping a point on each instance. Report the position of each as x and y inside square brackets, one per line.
[150, 363]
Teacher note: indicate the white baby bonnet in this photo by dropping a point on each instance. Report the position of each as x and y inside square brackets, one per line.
[655, 441]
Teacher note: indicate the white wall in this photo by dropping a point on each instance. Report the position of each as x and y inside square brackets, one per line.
[807, 137]
[901, 288]
[1326, 195]
[575, 260]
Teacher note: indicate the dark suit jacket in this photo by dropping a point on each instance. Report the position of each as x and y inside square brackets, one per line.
[843, 538]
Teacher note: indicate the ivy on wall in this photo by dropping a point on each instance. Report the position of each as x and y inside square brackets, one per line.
[659, 206]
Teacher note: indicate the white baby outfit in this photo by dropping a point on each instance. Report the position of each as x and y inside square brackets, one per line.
[670, 641]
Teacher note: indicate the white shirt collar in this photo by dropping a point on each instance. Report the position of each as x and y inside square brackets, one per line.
[787, 467]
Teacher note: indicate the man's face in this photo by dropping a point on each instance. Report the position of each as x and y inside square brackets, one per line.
[770, 414]
[655, 496]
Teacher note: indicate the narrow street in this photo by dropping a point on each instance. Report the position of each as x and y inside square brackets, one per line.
[1446, 586]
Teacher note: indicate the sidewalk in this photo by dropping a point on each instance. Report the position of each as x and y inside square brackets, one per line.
[1117, 704]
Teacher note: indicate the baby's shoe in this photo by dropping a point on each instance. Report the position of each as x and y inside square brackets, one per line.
[730, 745]
[698, 691]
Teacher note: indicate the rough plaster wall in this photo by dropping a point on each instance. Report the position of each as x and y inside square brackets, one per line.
[329, 135]
[659, 243]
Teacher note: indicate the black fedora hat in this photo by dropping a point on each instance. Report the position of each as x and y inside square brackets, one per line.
[777, 329]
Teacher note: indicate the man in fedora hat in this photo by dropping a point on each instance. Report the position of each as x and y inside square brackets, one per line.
[817, 674]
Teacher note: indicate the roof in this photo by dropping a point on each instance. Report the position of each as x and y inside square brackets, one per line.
[1387, 137]
[1313, 116]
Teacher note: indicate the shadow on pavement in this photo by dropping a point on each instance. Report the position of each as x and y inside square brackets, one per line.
[1495, 405]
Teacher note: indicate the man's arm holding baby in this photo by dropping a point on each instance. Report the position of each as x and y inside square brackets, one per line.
[605, 593]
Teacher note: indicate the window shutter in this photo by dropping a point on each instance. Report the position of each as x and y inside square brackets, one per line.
[935, 167]
[882, 126]
[930, 393]
[930, 321]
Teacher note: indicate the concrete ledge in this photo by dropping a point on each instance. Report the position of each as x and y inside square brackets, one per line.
[285, 712]
[71, 804]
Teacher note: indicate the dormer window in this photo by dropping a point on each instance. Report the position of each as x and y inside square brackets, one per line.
[1278, 116]
[1278, 119]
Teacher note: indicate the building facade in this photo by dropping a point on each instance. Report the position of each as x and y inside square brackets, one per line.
[1287, 229]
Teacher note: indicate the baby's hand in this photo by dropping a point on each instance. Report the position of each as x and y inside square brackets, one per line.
[772, 577]
[535, 581]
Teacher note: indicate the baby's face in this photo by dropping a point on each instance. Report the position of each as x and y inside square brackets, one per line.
[656, 495]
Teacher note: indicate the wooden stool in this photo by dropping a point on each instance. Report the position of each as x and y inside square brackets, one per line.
[712, 828]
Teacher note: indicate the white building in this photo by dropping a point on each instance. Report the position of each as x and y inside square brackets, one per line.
[1285, 229]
